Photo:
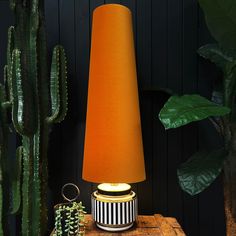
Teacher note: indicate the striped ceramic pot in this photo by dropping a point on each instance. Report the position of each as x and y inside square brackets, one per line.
[114, 213]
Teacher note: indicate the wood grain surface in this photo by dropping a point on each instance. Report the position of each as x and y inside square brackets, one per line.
[146, 225]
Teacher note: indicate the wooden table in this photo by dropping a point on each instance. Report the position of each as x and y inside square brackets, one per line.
[155, 225]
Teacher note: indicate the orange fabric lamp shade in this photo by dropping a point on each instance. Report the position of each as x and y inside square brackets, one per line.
[113, 151]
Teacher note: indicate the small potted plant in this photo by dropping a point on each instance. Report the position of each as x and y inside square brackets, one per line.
[69, 219]
[69, 216]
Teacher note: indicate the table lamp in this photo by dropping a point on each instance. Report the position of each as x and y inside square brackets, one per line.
[113, 149]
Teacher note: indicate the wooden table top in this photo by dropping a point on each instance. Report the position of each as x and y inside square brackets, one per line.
[155, 225]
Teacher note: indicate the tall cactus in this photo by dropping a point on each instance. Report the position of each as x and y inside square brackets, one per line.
[37, 100]
[4, 175]
[10, 170]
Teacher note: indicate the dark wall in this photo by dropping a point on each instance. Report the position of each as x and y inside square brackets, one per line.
[167, 35]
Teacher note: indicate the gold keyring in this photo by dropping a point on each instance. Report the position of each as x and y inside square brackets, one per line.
[68, 199]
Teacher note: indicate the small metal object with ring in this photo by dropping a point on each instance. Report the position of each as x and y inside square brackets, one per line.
[70, 199]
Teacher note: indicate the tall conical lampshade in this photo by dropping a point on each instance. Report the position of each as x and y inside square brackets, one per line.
[113, 150]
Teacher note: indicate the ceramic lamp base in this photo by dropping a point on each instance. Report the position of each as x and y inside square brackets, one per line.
[114, 213]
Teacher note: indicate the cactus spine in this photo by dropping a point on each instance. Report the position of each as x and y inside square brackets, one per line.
[36, 103]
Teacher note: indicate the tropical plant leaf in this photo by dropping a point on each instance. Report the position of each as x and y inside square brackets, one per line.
[226, 60]
[222, 57]
[221, 20]
[181, 110]
[200, 170]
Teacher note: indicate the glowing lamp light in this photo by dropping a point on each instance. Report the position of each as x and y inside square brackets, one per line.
[113, 150]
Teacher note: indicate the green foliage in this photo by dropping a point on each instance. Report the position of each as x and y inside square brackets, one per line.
[26, 93]
[58, 85]
[225, 59]
[181, 110]
[16, 181]
[4, 175]
[26, 194]
[221, 20]
[69, 219]
[201, 170]
[24, 123]
[203, 167]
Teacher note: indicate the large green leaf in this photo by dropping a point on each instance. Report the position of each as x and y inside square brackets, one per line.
[222, 57]
[181, 110]
[226, 60]
[221, 20]
[200, 170]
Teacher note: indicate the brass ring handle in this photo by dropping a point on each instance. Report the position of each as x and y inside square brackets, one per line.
[70, 199]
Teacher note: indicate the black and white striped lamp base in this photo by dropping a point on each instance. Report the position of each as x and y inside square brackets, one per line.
[114, 213]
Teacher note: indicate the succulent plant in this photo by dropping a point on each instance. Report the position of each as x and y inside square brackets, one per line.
[36, 100]
[69, 219]
[4, 174]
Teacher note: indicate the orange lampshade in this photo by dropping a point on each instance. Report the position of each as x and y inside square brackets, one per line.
[113, 151]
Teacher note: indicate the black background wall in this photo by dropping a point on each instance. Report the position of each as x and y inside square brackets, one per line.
[167, 35]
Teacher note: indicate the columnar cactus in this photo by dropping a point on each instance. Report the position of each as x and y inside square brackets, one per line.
[36, 103]
[4, 177]
[10, 170]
